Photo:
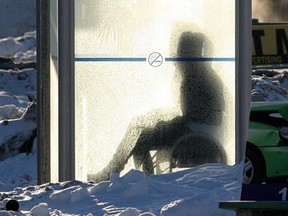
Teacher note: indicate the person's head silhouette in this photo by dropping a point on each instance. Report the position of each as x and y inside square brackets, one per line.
[192, 47]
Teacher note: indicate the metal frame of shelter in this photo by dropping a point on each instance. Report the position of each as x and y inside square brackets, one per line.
[66, 84]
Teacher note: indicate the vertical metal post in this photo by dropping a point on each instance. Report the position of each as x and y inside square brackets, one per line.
[43, 91]
[243, 74]
[66, 90]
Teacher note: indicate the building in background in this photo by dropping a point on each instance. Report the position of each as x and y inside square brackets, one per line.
[17, 17]
[270, 10]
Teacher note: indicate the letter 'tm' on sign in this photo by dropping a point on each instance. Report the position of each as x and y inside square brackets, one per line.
[257, 34]
[282, 42]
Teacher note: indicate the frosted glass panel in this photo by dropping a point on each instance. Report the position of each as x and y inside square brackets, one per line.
[155, 85]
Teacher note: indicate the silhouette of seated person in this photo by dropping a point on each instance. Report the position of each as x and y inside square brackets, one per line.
[202, 103]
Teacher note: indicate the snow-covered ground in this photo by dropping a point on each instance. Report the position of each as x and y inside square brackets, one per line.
[196, 191]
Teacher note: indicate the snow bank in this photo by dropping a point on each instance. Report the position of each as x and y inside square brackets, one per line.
[191, 192]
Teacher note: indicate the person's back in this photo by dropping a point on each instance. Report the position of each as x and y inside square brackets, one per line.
[201, 90]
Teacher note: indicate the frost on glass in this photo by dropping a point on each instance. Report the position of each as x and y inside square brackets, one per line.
[157, 114]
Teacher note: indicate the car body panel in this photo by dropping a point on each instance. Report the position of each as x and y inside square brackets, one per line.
[276, 159]
[263, 135]
[266, 121]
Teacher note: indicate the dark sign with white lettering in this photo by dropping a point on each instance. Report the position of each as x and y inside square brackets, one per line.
[270, 44]
[265, 192]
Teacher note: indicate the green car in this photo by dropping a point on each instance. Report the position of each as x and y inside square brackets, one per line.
[267, 146]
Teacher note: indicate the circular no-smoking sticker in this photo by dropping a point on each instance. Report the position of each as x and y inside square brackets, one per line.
[155, 59]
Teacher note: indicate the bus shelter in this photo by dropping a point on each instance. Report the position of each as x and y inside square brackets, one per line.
[152, 85]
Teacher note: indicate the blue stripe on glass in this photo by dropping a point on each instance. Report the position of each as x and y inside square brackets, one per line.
[110, 59]
[174, 59]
